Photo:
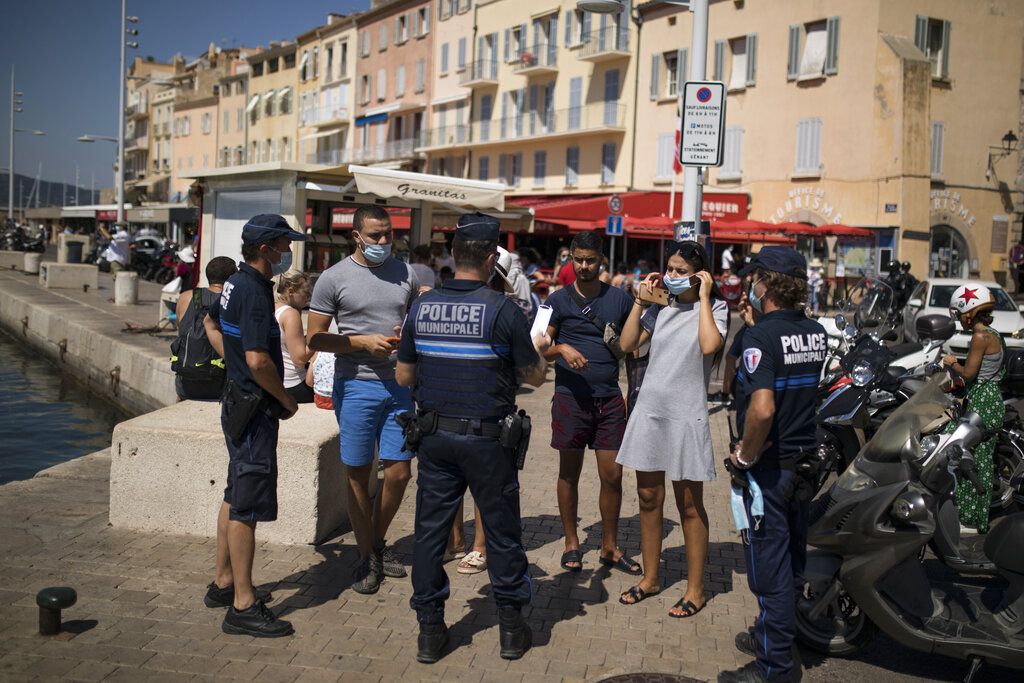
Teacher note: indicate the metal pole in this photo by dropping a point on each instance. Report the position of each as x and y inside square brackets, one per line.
[10, 157]
[77, 192]
[120, 118]
[692, 176]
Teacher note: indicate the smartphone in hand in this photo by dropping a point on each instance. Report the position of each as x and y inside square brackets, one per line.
[658, 294]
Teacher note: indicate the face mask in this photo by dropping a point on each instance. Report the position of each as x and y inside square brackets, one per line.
[676, 285]
[756, 302]
[375, 253]
[284, 264]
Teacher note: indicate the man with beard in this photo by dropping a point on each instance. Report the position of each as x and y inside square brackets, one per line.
[588, 409]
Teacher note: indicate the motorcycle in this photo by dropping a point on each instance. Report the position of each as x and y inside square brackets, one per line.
[16, 238]
[868, 570]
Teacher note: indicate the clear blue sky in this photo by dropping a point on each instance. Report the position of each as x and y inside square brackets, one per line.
[66, 56]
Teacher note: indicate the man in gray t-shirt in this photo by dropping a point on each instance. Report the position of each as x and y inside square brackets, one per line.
[368, 294]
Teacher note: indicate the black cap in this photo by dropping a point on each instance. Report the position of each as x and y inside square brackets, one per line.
[477, 226]
[269, 226]
[784, 260]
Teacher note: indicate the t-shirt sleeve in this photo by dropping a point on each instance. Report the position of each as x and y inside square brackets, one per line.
[649, 318]
[325, 295]
[254, 323]
[513, 328]
[758, 359]
[625, 303]
[407, 344]
[720, 312]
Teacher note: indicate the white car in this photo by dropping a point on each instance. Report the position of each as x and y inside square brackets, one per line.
[932, 297]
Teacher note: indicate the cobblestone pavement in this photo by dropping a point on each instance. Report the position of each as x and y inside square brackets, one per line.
[140, 617]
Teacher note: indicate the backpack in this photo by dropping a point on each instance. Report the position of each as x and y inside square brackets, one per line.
[192, 355]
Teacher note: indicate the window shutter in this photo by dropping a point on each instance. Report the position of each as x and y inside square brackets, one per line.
[666, 146]
[585, 38]
[945, 49]
[832, 49]
[494, 56]
[575, 102]
[801, 145]
[568, 27]
[398, 31]
[682, 66]
[549, 107]
[520, 110]
[655, 63]
[502, 164]
[611, 97]
[552, 38]
[484, 168]
[938, 139]
[623, 42]
[921, 33]
[462, 53]
[793, 60]
[425, 24]
[533, 110]
[517, 168]
[602, 33]
[751, 59]
[719, 63]
[504, 115]
[444, 58]
[815, 145]
[508, 43]
[478, 70]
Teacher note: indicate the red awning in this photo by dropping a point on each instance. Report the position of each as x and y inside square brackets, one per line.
[749, 231]
[640, 210]
[826, 230]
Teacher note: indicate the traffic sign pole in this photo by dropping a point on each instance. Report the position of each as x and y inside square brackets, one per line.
[693, 190]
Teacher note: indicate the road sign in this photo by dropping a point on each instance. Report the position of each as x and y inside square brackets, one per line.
[702, 136]
[615, 204]
[614, 226]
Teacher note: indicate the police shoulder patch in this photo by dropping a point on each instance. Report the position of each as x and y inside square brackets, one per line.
[751, 359]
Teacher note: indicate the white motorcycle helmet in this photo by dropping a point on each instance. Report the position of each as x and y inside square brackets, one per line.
[968, 300]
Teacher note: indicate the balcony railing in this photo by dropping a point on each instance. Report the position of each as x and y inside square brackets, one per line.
[604, 44]
[600, 116]
[329, 157]
[447, 135]
[139, 143]
[319, 116]
[480, 72]
[540, 58]
[396, 149]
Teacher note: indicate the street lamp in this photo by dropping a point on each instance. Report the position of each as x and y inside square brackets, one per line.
[996, 153]
[16, 103]
[692, 175]
[121, 82]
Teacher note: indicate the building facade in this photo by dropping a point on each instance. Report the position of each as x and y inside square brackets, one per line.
[233, 95]
[881, 115]
[273, 78]
[326, 96]
[142, 181]
[448, 114]
[394, 56]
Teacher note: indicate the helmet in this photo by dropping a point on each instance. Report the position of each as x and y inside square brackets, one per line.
[894, 266]
[971, 299]
[906, 266]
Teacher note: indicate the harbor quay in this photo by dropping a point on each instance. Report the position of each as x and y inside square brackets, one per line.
[139, 615]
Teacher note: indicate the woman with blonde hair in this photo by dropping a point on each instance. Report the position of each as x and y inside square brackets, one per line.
[292, 295]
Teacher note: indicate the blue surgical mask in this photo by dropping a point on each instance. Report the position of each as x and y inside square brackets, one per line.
[376, 253]
[676, 285]
[756, 302]
[284, 265]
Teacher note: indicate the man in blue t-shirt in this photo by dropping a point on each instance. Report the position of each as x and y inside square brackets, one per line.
[588, 409]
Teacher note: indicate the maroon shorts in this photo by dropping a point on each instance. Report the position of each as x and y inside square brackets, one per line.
[581, 421]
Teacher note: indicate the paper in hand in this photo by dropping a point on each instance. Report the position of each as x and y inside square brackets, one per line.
[541, 322]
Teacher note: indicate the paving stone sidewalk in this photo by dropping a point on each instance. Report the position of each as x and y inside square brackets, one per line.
[140, 615]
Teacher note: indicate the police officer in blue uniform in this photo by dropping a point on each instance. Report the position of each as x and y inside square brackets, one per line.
[465, 348]
[781, 361]
[242, 329]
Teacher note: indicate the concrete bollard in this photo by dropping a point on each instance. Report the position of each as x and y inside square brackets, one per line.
[126, 289]
[32, 262]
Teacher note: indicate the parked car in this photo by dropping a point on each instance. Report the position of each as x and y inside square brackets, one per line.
[932, 296]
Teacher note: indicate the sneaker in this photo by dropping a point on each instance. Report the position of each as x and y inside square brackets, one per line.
[749, 673]
[368, 575]
[745, 643]
[257, 621]
[432, 640]
[225, 597]
[392, 567]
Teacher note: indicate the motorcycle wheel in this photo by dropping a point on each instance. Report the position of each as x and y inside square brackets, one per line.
[164, 276]
[1006, 459]
[842, 630]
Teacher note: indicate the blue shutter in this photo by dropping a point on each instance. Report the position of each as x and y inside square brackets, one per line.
[483, 168]
[533, 110]
[602, 34]
[504, 114]
[502, 167]
[793, 60]
[537, 32]
[520, 110]
[585, 38]
[575, 102]
[608, 163]
[517, 168]
[494, 56]
[611, 97]
[832, 49]
[552, 39]
[572, 166]
[655, 84]
[508, 43]
[478, 69]
[568, 27]
[549, 107]
[624, 15]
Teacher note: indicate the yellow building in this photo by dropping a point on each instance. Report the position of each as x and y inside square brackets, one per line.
[326, 96]
[448, 114]
[233, 95]
[144, 81]
[273, 78]
[877, 114]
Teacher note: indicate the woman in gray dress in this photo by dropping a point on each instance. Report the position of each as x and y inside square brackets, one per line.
[668, 431]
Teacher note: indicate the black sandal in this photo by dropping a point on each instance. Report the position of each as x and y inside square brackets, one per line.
[624, 564]
[572, 556]
[689, 609]
[638, 594]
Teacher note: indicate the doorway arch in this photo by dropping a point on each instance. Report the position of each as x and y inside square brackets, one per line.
[949, 253]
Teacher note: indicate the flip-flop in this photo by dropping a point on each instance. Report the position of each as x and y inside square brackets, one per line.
[572, 556]
[624, 564]
[638, 594]
[689, 609]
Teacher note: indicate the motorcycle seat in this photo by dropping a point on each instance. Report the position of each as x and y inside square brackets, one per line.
[895, 371]
[1004, 542]
[905, 349]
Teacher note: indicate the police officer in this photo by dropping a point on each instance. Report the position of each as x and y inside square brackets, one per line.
[466, 348]
[242, 329]
[780, 363]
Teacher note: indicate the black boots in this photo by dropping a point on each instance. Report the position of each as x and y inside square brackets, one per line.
[514, 633]
[432, 641]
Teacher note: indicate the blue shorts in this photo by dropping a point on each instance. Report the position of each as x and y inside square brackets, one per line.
[251, 489]
[366, 411]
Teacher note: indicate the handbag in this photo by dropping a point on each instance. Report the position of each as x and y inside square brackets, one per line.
[609, 332]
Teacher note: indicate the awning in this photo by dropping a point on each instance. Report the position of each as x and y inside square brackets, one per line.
[165, 213]
[449, 98]
[367, 120]
[283, 91]
[252, 103]
[643, 212]
[318, 135]
[749, 231]
[432, 188]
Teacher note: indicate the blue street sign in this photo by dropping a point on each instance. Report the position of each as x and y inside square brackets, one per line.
[614, 226]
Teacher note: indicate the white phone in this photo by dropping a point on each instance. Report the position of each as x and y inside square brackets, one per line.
[541, 322]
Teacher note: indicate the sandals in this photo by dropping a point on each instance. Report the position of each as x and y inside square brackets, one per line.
[624, 564]
[689, 609]
[573, 555]
[637, 594]
[473, 563]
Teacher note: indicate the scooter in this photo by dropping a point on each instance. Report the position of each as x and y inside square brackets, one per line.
[867, 568]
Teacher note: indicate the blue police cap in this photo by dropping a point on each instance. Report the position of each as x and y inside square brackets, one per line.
[784, 260]
[477, 226]
[269, 226]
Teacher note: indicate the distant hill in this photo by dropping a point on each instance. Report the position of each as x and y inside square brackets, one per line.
[49, 192]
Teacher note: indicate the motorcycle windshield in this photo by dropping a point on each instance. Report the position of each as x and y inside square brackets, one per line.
[869, 306]
[924, 409]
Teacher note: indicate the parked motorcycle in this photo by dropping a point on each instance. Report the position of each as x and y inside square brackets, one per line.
[16, 238]
[867, 569]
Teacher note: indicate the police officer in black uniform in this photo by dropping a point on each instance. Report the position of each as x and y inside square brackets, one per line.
[242, 329]
[782, 357]
[466, 348]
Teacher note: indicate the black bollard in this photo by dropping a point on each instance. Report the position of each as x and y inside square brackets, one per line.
[51, 601]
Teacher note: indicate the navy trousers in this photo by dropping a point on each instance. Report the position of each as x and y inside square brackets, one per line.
[447, 463]
[776, 558]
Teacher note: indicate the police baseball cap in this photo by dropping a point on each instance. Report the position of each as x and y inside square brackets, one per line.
[477, 226]
[784, 260]
[269, 226]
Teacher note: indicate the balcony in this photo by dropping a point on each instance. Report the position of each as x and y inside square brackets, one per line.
[447, 136]
[138, 144]
[482, 72]
[605, 45]
[389, 151]
[323, 116]
[137, 111]
[536, 61]
[329, 157]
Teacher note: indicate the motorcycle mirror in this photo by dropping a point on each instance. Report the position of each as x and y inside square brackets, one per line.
[840, 321]
[850, 331]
